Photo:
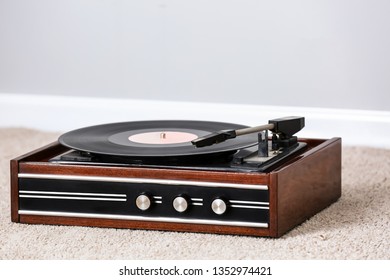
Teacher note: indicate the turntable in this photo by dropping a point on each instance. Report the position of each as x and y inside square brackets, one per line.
[193, 176]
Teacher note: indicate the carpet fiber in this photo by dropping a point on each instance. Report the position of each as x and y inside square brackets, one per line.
[355, 227]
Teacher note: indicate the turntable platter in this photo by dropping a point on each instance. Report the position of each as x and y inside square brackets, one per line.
[146, 139]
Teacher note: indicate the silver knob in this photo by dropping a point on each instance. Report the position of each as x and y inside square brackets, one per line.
[180, 204]
[143, 202]
[218, 206]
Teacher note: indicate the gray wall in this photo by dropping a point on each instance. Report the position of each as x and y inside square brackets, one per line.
[295, 53]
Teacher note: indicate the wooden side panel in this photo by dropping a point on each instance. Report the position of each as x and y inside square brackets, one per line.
[273, 205]
[308, 185]
[14, 191]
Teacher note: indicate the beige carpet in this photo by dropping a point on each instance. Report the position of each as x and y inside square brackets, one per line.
[356, 227]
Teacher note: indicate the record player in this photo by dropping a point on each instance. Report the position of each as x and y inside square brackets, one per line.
[193, 176]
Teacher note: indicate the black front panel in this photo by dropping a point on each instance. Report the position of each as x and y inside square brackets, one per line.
[119, 198]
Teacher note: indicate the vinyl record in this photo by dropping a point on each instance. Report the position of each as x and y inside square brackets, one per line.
[153, 139]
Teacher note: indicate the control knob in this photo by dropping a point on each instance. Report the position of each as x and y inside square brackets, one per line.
[180, 204]
[219, 206]
[143, 202]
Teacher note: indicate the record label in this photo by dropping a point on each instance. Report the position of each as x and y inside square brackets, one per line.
[163, 137]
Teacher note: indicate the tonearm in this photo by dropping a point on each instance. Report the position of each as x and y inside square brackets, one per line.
[283, 130]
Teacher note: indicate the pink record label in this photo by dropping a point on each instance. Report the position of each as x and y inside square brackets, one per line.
[163, 137]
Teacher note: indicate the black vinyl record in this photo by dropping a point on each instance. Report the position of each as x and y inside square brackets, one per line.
[153, 139]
